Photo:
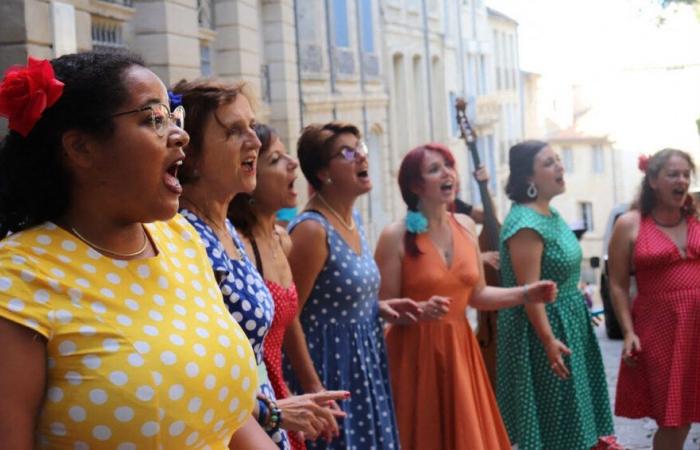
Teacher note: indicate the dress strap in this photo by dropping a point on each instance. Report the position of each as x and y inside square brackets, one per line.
[256, 255]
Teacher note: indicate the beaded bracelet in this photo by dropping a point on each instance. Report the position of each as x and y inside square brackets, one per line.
[263, 412]
[274, 416]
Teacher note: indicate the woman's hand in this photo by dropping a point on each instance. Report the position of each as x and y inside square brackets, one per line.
[399, 311]
[312, 414]
[543, 291]
[630, 349]
[555, 350]
[434, 308]
[492, 259]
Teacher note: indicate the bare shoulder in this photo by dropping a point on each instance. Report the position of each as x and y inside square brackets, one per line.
[285, 240]
[631, 218]
[628, 224]
[309, 232]
[466, 222]
[393, 232]
[391, 238]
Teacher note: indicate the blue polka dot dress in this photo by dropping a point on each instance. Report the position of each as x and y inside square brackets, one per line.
[346, 342]
[247, 298]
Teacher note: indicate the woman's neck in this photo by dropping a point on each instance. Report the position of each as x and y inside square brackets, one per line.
[103, 230]
[342, 205]
[667, 215]
[436, 214]
[541, 205]
[265, 221]
[209, 207]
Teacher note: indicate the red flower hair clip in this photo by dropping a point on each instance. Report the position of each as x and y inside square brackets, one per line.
[26, 92]
[643, 162]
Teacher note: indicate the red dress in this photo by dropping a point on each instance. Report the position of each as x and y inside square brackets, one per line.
[665, 385]
[286, 305]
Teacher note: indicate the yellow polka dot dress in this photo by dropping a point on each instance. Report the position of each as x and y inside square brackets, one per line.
[142, 354]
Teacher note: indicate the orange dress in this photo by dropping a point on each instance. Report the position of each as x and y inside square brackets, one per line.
[443, 398]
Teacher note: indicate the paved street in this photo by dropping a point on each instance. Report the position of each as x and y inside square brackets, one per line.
[633, 434]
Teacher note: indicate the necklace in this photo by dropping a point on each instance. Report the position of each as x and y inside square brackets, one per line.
[112, 252]
[664, 225]
[212, 224]
[350, 226]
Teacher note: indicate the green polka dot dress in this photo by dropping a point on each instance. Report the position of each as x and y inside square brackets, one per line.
[540, 410]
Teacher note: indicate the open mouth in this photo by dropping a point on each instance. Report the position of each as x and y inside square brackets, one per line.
[170, 177]
[447, 187]
[249, 164]
[678, 192]
[363, 174]
[559, 180]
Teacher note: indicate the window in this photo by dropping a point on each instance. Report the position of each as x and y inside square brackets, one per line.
[107, 35]
[340, 23]
[367, 26]
[586, 210]
[567, 158]
[598, 159]
[205, 59]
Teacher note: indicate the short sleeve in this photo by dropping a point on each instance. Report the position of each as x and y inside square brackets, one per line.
[519, 218]
[24, 296]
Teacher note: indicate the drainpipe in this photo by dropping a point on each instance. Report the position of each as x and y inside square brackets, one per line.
[462, 70]
[331, 59]
[360, 52]
[428, 66]
[298, 51]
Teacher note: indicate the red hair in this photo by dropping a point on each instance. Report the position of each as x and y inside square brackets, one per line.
[410, 178]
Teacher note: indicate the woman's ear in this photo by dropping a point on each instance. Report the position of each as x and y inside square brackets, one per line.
[78, 149]
[324, 176]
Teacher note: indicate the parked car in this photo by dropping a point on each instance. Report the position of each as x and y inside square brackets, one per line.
[612, 326]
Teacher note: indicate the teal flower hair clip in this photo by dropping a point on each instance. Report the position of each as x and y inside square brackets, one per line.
[416, 222]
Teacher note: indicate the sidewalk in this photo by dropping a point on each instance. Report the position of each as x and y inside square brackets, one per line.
[633, 434]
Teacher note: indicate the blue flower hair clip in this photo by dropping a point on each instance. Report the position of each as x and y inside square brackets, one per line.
[175, 100]
[416, 222]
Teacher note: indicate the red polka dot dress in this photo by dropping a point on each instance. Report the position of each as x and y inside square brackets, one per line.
[286, 305]
[665, 385]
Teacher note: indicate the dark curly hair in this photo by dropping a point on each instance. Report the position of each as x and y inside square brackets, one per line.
[314, 147]
[521, 161]
[240, 210]
[34, 184]
[646, 199]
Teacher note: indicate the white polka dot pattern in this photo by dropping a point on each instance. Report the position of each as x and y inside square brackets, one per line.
[346, 342]
[539, 409]
[125, 371]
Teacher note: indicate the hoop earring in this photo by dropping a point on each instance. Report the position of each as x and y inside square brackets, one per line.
[532, 190]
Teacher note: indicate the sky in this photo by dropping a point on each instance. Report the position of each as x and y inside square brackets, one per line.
[641, 79]
[581, 39]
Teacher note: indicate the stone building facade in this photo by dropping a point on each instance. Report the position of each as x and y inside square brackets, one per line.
[393, 67]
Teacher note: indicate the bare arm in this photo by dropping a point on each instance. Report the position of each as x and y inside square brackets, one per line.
[388, 255]
[492, 298]
[306, 258]
[526, 248]
[22, 384]
[619, 265]
[250, 436]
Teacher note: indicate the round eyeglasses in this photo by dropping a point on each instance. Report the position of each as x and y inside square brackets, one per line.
[352, 153]
[161, 117]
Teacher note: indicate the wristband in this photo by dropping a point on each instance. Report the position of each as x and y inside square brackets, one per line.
[527, 299]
